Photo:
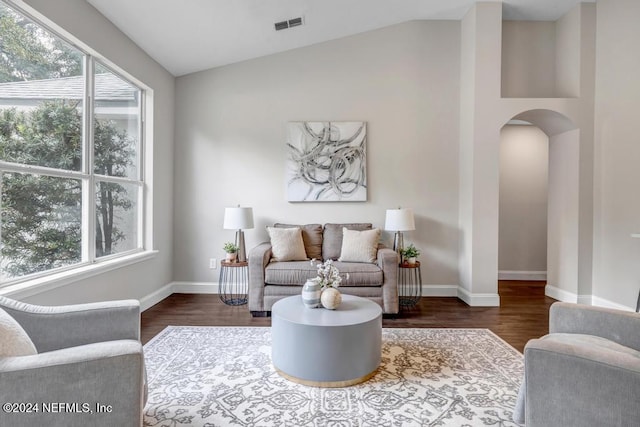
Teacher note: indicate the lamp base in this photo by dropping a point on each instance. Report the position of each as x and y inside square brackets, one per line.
[398, 244]
[242, 253]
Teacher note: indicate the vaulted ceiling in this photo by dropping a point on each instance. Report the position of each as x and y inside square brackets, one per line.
[193, 35]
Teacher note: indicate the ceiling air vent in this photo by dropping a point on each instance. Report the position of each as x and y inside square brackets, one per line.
[293, 22]
[282, 25]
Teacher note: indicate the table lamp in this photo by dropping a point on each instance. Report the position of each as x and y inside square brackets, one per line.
[399, 220]
[238, 219]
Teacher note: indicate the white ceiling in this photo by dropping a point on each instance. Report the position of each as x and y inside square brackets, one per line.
[193, 35]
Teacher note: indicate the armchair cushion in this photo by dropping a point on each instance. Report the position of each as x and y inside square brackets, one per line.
[287, 244]
[359, 246]
[14, 341]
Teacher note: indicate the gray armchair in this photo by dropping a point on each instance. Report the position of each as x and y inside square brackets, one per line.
[87, 355]
[586, 372]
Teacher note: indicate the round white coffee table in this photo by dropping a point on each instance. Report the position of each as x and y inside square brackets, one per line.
[326, 348]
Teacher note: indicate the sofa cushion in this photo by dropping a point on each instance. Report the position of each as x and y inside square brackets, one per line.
[297, 272]
[289, 273]
[332, 238]
[311, 237]
[359, 246]
[14, 341]
[359, 274]
[287, 244]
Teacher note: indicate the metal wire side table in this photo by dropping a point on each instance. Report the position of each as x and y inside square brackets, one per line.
[234, 282]
[410, 284]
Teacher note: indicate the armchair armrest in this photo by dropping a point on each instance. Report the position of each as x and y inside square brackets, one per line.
[53, 328]
[615, 325]
[108, 373]
[259, 257]
[388, 261]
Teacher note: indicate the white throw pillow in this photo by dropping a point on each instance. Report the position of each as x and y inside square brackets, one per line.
[359, 246]
[287, 244]
[14, 341]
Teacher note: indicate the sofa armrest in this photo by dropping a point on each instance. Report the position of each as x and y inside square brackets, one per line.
[259, 257]
[107, 373]
[572, 384]
[615, 325]
[388, 261]
[56, 327]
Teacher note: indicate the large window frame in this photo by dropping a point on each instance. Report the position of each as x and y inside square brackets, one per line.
[88, 176]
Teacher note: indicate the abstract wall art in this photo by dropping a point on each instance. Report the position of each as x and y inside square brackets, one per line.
[326, 161]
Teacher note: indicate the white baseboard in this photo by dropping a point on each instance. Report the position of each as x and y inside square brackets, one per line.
[195, 287]
[565, 296]
[601, 302]
[522, 275]
[439, 290]
[153, 298]
[560, 294]
[177, 288]
[478, 300]
[585, 299]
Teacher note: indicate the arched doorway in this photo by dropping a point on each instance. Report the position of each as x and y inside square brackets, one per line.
[563, 210]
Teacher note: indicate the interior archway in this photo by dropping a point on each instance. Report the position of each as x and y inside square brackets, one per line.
[563, 185]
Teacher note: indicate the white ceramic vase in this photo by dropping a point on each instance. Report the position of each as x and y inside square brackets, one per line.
[311, 293]
[331, 298]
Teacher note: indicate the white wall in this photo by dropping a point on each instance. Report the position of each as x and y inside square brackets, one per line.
[524, 161]
[491, 111]
[230, 140]
[528, 59]
[564, 175]
[616, 273]
[141, 279]
[480, 126]
[405, 81]
[568, 54]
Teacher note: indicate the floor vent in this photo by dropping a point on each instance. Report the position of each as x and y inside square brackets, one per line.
[293, 22]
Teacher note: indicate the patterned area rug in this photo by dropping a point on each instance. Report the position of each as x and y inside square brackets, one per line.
[222, 376]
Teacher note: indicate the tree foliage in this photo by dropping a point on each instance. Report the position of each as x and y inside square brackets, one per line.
[41, 215]
[27, 52]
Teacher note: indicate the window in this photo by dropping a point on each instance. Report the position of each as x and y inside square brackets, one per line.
[70, 154]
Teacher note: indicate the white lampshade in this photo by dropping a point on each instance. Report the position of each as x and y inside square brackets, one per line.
[399, 220]
[238, 218]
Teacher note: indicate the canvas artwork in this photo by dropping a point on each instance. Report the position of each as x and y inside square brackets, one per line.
[326, 161]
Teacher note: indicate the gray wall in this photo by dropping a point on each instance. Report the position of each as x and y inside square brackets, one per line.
[230, 140]
[141, 279]
[617, 204]
[405, 82]
[524, 164]
[528, 59]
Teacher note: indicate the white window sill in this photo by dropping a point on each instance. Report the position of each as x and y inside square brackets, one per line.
[56, 280]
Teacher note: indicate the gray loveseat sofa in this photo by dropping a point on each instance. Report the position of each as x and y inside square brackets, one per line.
[270, 281]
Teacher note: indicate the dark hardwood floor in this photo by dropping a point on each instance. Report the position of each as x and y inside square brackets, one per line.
[523, 314]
